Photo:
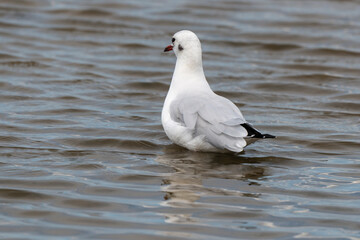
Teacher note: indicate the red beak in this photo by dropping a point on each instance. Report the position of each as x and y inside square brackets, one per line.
[168, 48]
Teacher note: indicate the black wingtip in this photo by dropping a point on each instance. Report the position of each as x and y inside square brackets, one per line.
[268, 136]
[252, 132]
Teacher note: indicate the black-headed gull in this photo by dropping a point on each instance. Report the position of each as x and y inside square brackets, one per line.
[194, 116]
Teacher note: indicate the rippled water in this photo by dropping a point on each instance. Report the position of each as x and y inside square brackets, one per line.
[82, 151]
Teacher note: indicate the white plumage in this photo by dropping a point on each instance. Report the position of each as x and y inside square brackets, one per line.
[193, 116]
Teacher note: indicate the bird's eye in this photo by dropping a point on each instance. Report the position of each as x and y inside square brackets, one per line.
[173, 40]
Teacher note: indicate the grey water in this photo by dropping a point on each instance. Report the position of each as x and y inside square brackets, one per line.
[82, 151]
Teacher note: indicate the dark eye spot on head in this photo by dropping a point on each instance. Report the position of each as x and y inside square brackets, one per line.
[173, 40]
[180, 47]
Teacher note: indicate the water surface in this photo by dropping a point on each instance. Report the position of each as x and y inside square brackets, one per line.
[82, 151]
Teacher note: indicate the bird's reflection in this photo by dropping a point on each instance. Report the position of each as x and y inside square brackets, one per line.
[197, 174]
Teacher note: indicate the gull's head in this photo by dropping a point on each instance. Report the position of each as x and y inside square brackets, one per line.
[185, 43]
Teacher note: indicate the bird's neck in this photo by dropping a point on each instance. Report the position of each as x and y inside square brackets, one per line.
[188, 76]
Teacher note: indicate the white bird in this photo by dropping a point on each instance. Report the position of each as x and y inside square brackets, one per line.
[195, 117]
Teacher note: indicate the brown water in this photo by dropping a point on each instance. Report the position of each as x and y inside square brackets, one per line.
[82, 151]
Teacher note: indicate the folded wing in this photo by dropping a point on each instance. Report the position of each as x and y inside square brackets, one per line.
[213, 116]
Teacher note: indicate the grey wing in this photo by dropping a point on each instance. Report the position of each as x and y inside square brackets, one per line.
[213, 116]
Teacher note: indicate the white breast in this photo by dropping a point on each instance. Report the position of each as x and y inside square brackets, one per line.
[183, 136]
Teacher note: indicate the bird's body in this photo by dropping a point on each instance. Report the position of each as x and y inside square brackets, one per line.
[193, 116]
